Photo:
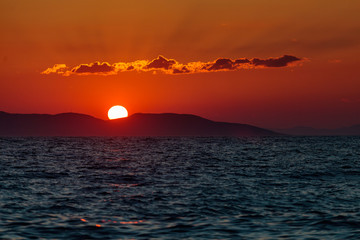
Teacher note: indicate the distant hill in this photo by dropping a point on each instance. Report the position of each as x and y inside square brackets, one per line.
[64, 124]
[139, 124]
[308, 131]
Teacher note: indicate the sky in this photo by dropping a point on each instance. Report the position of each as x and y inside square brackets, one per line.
[273, 64]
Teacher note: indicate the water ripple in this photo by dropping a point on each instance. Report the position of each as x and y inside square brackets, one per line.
[171, 188]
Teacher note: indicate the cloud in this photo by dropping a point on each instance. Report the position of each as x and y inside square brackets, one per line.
[96, 67]
[161, 62]
[57, 68]
[275, 62]
[222, 63]
[242, 60]
[171, 66]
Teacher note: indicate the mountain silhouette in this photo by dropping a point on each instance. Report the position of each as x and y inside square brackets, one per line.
[139, 124]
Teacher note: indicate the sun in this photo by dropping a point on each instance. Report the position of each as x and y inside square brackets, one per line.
[116, 112]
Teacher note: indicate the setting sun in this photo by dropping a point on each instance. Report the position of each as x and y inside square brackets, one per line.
[116, 112]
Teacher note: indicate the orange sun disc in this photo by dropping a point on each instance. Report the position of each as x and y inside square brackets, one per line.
[116, 112]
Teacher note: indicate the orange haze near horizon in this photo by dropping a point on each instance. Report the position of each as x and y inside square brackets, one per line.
[262, 88]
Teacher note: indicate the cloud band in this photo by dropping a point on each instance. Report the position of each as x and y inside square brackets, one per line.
[171, 66]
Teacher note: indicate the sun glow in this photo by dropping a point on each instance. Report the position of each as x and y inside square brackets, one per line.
[116, 112]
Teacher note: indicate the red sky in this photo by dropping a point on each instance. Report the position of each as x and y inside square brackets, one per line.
[322, 89]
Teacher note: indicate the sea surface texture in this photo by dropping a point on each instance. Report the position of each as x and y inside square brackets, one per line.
[175, 188]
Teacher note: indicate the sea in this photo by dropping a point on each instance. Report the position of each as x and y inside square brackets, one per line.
[180, 188]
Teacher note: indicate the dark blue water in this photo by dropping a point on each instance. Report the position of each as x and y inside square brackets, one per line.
[172, 188]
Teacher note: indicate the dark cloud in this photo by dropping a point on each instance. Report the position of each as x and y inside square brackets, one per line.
[161, 62]
[182, 70]
[95, 67]
[275, 62]
[130, 68]
[242, 60]
[170, 66]
[222, 64]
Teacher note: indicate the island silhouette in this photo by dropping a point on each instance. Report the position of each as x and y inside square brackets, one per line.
[138, 124]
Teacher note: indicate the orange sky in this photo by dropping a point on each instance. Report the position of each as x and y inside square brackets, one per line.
[320, 90]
